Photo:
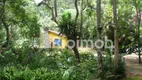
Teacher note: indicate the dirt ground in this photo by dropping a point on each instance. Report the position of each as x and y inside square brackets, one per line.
[132, 66]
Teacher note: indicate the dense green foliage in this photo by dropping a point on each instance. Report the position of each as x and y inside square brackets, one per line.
[19, 21]
[53, 64]
[67, 24]
[45, 64]
[22, 21]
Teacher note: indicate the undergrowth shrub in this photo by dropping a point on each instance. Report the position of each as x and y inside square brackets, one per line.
[13, 73]
[112, 72]
[55, 64]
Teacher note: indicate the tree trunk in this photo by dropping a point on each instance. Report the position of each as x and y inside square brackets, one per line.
[76, 53]
[139, 24]
[139, 44]
[77, 11]
[2, 17]
[55, 7]
[99, 28]
[55, 10]
[81, 22]
[7, 32]
[115, 32]
[138, 11]
[75, 32]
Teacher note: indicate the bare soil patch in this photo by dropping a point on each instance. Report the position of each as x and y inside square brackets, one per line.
[133, 68]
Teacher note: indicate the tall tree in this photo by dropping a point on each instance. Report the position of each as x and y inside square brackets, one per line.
[99, 34]
[137, 6]
[82, 8]
[3, 21]
[75, 32]
[115, 32]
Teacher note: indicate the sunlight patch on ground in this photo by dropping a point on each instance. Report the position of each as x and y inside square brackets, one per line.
[133, 78]
[132, 56]
[87, 50]
[133, 69]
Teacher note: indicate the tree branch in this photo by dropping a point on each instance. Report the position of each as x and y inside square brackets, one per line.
[85, 6]
[6, 26]
[77, 11]
[3, 9]
[52, 10]
[44, 3]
